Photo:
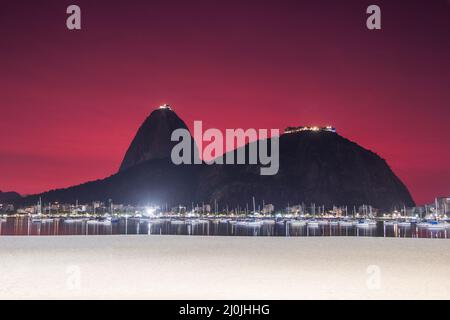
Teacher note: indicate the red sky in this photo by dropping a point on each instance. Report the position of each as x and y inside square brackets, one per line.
[71, 101]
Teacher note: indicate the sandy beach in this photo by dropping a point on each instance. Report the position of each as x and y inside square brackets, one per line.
[183, 267]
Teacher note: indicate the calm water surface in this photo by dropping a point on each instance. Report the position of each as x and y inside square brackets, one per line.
[209, 227]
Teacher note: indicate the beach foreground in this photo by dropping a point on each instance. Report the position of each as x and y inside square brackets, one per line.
[183, 267]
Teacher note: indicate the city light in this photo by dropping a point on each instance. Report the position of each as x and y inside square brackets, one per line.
[165, 106]
[150, 211]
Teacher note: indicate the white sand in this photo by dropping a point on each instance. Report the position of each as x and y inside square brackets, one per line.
[182, 267]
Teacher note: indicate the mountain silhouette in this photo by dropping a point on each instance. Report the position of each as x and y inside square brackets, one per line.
[315, 167]
[8, 197]
[152, 140]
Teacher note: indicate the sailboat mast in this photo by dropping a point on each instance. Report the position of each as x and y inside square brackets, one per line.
[254, 205]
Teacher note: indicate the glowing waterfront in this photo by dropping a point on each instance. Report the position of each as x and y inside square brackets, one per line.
[224, 226]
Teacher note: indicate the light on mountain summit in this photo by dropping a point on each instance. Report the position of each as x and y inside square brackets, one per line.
[165, 106]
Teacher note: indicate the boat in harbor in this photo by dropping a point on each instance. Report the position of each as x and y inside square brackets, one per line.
[297, 223]
[115, 220]
[36, 219]
[366, 223]
[217, 221]
[104, 222]
[313, 224]
[346, 224]
[436, 225]
[249, 224]
[423, 224]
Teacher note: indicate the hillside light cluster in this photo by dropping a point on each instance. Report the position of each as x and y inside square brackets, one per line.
[305, 128]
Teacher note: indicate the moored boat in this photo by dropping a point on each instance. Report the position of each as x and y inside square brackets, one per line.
[313, 224]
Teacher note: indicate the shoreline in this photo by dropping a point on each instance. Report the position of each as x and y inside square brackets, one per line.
[214, 267]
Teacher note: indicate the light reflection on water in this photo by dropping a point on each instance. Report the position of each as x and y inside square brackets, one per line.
[210, 227]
